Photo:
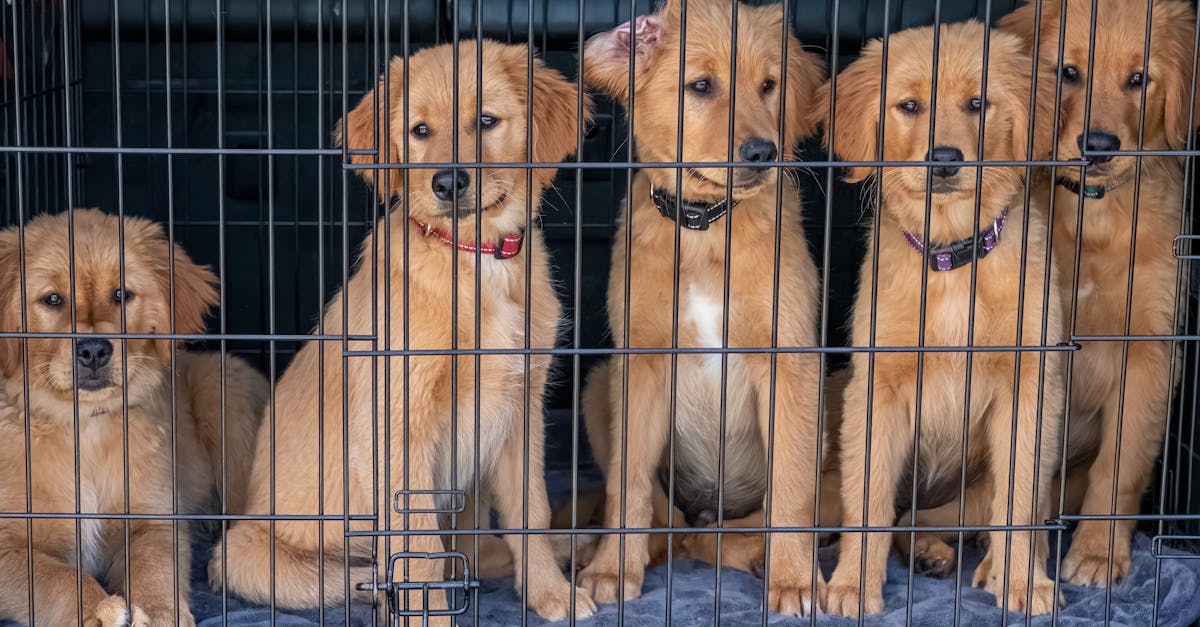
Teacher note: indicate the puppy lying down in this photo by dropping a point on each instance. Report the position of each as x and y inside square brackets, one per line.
[100, 425]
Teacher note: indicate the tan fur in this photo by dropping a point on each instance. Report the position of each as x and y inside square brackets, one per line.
[310, 394]
[747, 551]
[649, 260]
[493, 560]
[1105, 257]
[888, 380]
[39, 412]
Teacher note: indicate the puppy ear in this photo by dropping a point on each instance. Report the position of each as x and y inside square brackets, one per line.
[556, 118]
[195, 294]
[855, 115]
[1022, 21]
[606, 55]
[1012, 68]
[363, 129]
[805, 73]
[10, 311]
[1173, 34]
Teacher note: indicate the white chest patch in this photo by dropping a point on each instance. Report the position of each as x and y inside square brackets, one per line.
[705, 314]
[90, 541]
[1085, 289]
[492, 269]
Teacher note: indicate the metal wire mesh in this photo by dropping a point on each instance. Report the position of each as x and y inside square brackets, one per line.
[215, 119]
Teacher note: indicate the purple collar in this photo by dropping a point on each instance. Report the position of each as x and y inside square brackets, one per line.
[960, 253]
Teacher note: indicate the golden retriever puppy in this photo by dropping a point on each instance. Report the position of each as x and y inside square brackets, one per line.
[68, 409]
[407, 283]
[1131, 210]
[983, 252]
[760, 215]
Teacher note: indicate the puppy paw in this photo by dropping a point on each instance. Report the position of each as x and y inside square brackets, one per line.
[138, 618]
[604, 585]
[932, 557]
[164, 616]
[112, 612]
[843, 593]
[791, 591]
[1086, 564]
[1017, 589]
[585, 550]
[743, 551]
[215, 581]
[983, 572]
[584, 556]
[1020, 598]
[553, 601]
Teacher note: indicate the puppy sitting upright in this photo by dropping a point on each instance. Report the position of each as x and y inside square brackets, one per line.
[87, 399]
[982, 269]
[1127, 264]
[758, 214]
[409, 280]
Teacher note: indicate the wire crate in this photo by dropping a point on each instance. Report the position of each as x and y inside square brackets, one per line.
[217, 119]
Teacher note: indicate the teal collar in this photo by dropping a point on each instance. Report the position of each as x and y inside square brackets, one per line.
[1089, 191]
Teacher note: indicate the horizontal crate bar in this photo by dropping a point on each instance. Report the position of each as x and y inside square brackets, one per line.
[1135, 338]
[1049, 526]
[625, 165]
[1156, 547]
[836, 350]
[142, 150]
[1178, 247]
[460, 502]
[249, 337]
[1113, 517]
[1140, 153]
[231, 517]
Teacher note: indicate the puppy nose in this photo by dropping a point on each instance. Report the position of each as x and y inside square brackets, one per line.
[1097, 140]
[757, 149]
[450, 184]
[944, 153]
[93, 354]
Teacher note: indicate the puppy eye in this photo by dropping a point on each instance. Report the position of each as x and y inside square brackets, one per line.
[1136, 80]
[488, 121]
[768, 86]
[975, 105]
[1070, 74]
[53, 299]
[701, 86]
[122, 296]
[909, 106]
[420, 130]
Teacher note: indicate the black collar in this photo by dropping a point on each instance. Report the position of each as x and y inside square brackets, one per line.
[1089, 191]
[694, 215]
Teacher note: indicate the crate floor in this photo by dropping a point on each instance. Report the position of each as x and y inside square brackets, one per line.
[693, 600]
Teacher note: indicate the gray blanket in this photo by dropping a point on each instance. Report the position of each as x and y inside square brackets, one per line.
[1176, 580]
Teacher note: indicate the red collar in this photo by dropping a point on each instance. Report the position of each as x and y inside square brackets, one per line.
[508, 247]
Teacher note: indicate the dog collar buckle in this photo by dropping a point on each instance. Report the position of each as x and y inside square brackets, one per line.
[508, 247]
[962, 252]
[692, 215]
[693, 219]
